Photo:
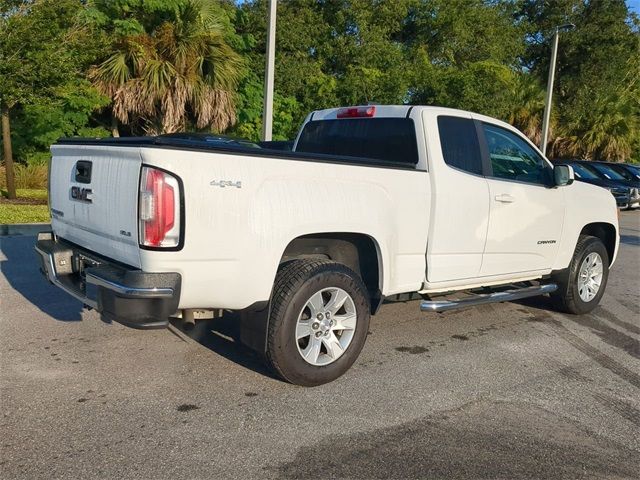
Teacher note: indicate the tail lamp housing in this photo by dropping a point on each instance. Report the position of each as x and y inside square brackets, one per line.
[159, 211]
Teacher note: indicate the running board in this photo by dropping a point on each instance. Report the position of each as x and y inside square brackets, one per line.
[481, 299]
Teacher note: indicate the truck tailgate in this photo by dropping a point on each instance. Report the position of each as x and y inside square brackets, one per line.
[93, 195]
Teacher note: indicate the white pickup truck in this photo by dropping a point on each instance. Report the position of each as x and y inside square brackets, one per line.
[373, 201]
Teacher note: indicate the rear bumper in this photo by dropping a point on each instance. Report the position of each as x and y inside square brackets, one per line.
[128, 296]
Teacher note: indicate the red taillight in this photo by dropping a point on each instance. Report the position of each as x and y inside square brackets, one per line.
[357, 112]
[159, 209]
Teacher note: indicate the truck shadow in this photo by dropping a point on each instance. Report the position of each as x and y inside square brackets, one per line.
[630, 240]
[222, 336]
[22, 271]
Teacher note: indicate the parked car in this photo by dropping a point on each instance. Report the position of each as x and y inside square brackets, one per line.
[622, 173]
[584, 171]
[627, 170]
[373, 202]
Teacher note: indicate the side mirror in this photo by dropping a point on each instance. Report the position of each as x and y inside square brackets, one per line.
[563, 175]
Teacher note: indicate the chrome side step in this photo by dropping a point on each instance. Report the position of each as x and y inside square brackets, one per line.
[481, 299]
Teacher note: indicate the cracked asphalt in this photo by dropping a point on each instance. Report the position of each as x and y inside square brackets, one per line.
[509, 391]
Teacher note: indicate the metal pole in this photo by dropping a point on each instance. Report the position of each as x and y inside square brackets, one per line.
[547, 103]
[267, 121]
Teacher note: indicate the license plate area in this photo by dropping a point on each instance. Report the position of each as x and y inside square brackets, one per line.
[79, 263]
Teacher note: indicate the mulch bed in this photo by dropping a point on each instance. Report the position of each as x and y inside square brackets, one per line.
[23, 201]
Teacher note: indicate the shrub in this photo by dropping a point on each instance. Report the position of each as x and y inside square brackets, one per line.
[27, 176]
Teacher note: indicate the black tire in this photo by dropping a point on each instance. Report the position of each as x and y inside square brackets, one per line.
[296, 282]
[567, 298]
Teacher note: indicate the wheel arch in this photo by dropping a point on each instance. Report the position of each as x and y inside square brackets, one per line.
[360, 252]
[606, 232]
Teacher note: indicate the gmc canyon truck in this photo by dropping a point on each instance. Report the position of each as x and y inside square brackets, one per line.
[373, 202]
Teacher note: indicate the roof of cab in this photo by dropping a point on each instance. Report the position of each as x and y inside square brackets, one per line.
[392, 111]
[400, 111]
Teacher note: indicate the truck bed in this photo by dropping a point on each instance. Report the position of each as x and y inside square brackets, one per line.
[173, 143]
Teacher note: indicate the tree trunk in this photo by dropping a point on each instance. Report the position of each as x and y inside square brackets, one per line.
[114, 126]
[8, 153]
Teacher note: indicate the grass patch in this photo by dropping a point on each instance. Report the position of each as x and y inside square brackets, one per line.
[29, 207]
[30, 193]
[10, 213]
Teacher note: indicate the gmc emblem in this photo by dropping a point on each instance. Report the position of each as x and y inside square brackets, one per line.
[81, 194]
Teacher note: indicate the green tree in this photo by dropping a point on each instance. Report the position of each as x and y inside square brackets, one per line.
[468, 54]
[301, 38]
[458, 53]
[596, 90]
[39, 45]
[460, 32]
[250, 105]
[169, 65]
[527, 99]
[608, 128]
[69, 111]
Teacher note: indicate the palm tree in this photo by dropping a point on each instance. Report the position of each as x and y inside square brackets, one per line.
[608, 132]
[527, 99]
[182, 70]
[605, 123]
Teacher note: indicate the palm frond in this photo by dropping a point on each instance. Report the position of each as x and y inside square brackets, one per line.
[182, 69]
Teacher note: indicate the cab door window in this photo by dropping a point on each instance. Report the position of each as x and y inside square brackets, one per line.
[512, 158]
[459, 142]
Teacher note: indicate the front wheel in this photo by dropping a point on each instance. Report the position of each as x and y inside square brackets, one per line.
[582, 285]
[318, 322]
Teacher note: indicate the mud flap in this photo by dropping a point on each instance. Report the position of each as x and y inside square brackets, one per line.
[254, 322]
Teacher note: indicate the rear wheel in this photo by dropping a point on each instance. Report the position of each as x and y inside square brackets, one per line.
[581, 287]
[318, 322]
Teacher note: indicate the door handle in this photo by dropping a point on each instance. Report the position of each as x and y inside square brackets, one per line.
[505, 198]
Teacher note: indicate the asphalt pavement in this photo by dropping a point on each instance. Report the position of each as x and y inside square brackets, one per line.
[511, 390]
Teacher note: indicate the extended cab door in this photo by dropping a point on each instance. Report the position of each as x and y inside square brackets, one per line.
[460, 197]
[526, 211]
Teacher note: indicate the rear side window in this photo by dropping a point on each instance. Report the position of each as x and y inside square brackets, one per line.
[388, 139]
[459, 142]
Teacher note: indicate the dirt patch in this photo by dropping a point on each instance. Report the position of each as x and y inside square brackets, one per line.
[460, 337]
[187, 407]
[413, 350]
[23, 201]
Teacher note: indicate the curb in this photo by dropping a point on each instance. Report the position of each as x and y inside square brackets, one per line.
[23, 228]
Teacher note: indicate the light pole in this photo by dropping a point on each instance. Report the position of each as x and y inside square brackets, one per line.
[267, 120]
[552, 71]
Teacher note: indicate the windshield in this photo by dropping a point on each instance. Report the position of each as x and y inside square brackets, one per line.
[581, 171]
[607, 171]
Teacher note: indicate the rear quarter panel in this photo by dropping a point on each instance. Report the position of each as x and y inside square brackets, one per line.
[235, 237]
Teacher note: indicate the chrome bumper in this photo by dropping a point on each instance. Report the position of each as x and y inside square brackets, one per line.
[129, 296]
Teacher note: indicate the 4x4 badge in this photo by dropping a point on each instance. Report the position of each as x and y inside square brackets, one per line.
[225, 183]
